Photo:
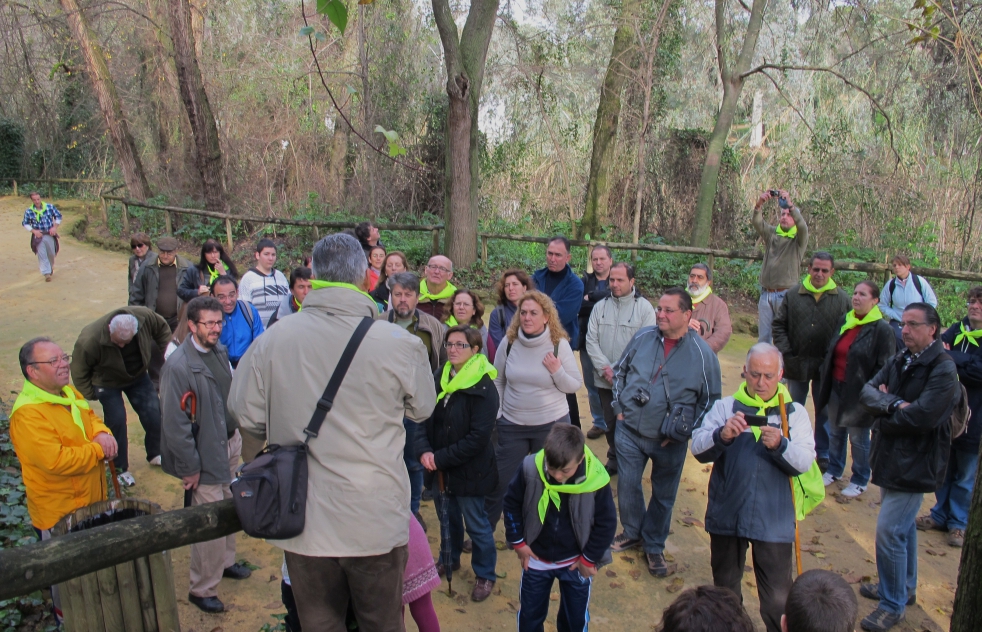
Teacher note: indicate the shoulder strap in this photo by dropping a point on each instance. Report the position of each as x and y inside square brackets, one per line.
[917, 285]
[893, 286]
[555, 349]
[246, 312]
[326, 402]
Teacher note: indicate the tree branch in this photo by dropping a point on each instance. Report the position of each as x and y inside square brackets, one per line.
[334, 102]
[787, 99]
[784, 67]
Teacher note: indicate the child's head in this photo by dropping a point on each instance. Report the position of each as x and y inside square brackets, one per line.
[820, 601]
[564, 451]
[706, 609]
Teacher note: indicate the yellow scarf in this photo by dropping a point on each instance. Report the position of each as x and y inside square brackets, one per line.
[698, 298]
[828, 287]
[317, 284]
[851, 320]
[213, 273]
[790, 233]
[468, 375]
[424, 292]
[32, 395]
[968, 334]
[743, 396]
[596, 477]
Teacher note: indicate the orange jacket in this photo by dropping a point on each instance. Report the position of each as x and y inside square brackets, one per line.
[62, 470]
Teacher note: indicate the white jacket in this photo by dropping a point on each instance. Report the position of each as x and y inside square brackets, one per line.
[613, 323]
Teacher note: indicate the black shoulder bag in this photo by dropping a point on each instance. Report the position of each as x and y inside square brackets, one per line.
[270, 493]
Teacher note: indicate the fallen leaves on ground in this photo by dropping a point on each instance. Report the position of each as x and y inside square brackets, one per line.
[675, 585]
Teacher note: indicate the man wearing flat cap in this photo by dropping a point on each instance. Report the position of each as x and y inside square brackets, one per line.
[156, 283]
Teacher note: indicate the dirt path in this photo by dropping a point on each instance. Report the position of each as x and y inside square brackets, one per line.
[88, 282]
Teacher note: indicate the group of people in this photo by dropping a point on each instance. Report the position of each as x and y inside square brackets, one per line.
[484, 410]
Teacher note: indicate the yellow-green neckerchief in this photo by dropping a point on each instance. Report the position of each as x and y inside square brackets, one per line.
[968, 334]
[756, 401]
[39, 214]
[446, 292]
[698, 298]
[317, 284]
[851, 321]
[213, 273]
[468, 375]
[31, 394]
[596, 477]
[790, 233]
[828, 287]
[452, 322]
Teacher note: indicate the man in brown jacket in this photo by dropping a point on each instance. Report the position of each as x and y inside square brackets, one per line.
[784, 248]
[710, 315]
[355, 545]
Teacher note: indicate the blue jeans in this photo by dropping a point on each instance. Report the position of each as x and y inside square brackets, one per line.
[144, 400]
[574, 600]
[633, 453]
[859, 440]
[468, 511]
[955, 496]
[766, 309]
[413, 465]
[596, 410]
[896, 548]
[799, 393]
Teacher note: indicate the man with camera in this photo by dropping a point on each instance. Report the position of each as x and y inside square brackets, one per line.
[749, 496]
[665, 381]
[784, 248]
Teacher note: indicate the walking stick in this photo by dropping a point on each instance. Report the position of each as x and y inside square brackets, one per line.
[112, 475]
[787, 435]
[188, 493]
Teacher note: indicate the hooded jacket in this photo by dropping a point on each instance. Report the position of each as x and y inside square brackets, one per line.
[690, 376]
[968, 360]
[180, 455]
[143, 291]
[568, 296]
[358, 487]
[873, 347]
[613, 323]
[910, 446]
[98, 361]
[803, 327]
[458, 433]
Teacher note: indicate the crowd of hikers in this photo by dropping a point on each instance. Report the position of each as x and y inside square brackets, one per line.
[402, 387]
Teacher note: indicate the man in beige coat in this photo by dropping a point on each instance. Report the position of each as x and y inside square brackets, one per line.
[710, 315]
[354, 546]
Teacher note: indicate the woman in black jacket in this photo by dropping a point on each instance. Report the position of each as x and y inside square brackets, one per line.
[457, 445]
[198, 278]
[863, 345]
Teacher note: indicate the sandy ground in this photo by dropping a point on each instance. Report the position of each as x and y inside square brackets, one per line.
[89, 281]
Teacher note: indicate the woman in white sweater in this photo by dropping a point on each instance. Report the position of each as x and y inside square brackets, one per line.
[536, 369]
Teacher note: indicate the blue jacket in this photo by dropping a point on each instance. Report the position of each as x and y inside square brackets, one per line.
[568, 296]
[237, 333]
[968, 360]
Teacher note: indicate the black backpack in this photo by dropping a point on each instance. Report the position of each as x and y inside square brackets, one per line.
[893, 285]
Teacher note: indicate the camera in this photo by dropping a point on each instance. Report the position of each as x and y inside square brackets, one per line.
[780, 200]
[641, 397]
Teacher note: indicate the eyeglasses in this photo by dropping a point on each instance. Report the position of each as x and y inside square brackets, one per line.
[210, 324]
[65, 359]
[665, 310]
[456, 345]
[231, 296]
[974, 301]
[910, 323]
[138, 246]
[431, 266]
[467, 304]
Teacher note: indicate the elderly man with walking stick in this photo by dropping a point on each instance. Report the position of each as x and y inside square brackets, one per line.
[750, 498]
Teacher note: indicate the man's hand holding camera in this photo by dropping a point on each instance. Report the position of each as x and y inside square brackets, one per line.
[770, 436]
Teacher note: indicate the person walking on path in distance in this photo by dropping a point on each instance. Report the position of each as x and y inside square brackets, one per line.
[784, 248]
[205, 463]
[710, 315]
[354, 548]
[262, 285]
[42, 219]
[903, 289]
[595, 289]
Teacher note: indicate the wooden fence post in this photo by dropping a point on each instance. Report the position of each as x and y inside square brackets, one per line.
[51, 190]
[126, 219]
[105, 211]
[484, 251]
[228, 234]
[15, 188]
[436, 242]
[168, 226]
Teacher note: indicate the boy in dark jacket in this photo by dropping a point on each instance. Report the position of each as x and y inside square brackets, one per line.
[560, 519]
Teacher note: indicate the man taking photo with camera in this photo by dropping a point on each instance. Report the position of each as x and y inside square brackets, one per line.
[784, 248]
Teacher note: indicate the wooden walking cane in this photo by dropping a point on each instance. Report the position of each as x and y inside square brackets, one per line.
[787, 435]
[112, 475]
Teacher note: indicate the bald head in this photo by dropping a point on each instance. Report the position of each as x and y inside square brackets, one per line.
[763, 369]
[439, 271]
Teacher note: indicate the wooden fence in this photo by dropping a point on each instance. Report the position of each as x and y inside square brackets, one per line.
[53, 181]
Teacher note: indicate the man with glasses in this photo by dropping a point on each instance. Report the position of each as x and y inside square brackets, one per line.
[950, 512]
[435, 290]
[666, 371]
[205, 463]
[784, 248]
[807, 320]
[42, 221]
[112, 357]
[912, 397]
[404, 311]
[242, 322]
[155, 286]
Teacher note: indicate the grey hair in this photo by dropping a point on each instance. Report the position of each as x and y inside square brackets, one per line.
[762, 348]
[125, 325]
[405, 280]
[339, 258]
[704, 268]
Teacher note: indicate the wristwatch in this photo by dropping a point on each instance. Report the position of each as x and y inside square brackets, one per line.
[894, 406]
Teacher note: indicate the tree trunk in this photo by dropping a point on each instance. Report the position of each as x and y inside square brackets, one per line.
[337, 160]
[733, 81]
[109, 103]
[608, 115]
[966, 615]
[208, 151]
[465, 56]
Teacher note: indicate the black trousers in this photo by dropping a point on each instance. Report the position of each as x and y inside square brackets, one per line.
[574, 409]
[606, 399]
[772, 567]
